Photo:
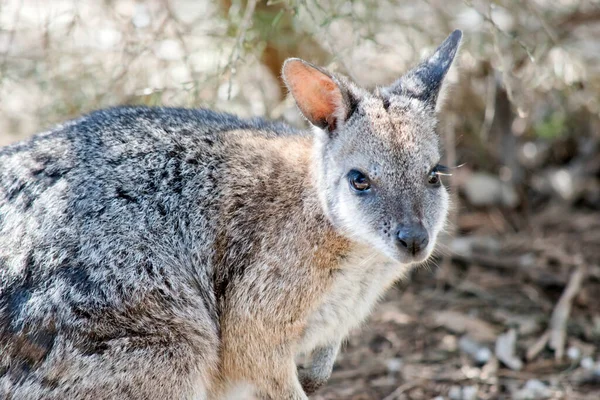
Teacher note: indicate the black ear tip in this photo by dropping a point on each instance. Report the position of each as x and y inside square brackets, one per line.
[453, 39]
[449, 47]
[456, 35]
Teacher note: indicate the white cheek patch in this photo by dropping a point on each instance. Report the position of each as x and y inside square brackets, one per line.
[445, 208]
[355, 223]
[443, 217]
[352, 219]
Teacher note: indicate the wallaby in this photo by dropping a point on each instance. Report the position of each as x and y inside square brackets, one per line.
[162, 253]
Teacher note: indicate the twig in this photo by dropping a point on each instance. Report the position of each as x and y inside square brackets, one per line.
[506, 76]
[494, 261]
[180, 37]
[505, 350]
[325, 39]
[403, 388]
[367, 369]
[11, 39]
[551, 34]
[538, 346]
[488, 18]
[490, 108]
[578, 18]
[560, 315]
[241, 38]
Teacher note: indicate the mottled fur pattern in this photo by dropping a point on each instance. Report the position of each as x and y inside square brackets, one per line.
[161, 253]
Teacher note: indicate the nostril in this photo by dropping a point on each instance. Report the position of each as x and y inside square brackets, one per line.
[413, 238]
[405, 238]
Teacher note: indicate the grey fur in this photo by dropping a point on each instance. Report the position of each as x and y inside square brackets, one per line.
[317, 373]
[154, 253]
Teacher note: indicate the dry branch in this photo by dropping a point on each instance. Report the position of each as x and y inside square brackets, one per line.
[560, 315]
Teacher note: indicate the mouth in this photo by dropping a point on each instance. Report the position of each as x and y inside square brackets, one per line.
[413, 258]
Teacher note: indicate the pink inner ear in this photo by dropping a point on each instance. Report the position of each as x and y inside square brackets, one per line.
[316, 94]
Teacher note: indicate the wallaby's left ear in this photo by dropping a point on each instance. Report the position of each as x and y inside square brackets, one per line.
[425, 81]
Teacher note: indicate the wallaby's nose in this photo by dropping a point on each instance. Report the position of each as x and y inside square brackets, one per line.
[413, 238]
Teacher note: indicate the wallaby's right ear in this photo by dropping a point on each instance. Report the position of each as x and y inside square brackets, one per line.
[425, 81]
[319, 96]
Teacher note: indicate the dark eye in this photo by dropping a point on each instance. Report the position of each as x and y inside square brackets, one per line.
[434, 176]
[359, 181]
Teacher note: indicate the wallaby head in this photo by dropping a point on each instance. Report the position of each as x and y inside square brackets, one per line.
[377, 153]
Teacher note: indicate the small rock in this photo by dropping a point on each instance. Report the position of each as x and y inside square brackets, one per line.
[479, 353]
[439, 398]
[533, 154]
[449, 343]
[462, 393]
[455, 393]
[563, 183]
[394, 364]
[587, 363]
[533, 390]
[487, 190]
[573, 353]
[483, 355]
[469, 393]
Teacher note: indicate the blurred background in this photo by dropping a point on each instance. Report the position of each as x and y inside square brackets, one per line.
[510, 309]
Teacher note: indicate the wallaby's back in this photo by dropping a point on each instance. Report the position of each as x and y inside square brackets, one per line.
[103, 224]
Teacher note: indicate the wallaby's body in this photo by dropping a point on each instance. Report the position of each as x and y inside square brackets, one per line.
[169, 253]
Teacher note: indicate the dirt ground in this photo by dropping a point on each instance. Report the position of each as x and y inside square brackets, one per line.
[510, 316]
